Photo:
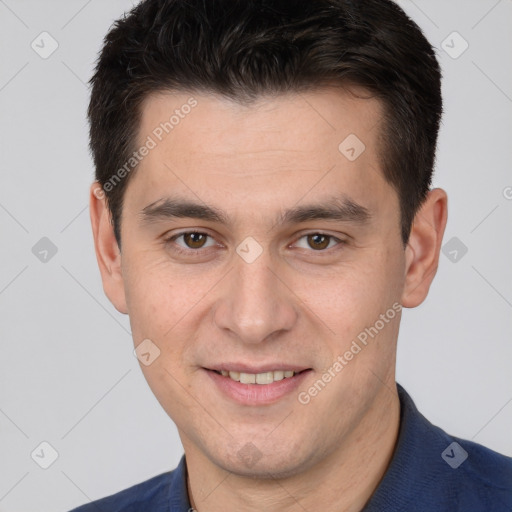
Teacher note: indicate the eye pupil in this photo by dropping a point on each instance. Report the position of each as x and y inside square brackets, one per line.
[319, 241]
[194, 240]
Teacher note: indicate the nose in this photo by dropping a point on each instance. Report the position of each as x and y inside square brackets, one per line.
[255, 302]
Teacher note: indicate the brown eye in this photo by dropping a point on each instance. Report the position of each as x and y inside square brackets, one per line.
[318, 241]
[194, 240]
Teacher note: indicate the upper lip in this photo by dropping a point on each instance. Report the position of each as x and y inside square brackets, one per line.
[246, 368]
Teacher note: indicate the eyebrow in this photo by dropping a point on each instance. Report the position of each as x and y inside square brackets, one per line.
[332, 208]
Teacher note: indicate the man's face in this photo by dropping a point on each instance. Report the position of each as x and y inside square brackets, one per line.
[260, 290]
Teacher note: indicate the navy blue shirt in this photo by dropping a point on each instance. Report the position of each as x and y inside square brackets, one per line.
[430, 471]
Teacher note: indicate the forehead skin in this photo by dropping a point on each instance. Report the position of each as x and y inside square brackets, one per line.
[222, 150]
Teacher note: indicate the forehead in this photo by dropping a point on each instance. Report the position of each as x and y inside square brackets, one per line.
[278, 122]
[275, 150]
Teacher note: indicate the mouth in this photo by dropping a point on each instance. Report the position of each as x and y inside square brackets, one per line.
[262, 378]
[257, 386]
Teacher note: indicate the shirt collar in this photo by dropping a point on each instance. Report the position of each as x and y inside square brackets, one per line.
[417, 471]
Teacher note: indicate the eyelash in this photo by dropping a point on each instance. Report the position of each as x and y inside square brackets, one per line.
[181, 251]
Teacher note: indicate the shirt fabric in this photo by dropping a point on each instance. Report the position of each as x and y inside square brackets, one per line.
[430, 471]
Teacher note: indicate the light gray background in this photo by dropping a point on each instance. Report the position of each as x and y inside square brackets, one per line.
[67, 372]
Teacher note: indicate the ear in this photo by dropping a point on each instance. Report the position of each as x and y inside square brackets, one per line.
[107, 250]
[423, 247]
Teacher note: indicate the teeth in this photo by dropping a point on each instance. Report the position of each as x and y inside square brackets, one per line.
[258, 378]
[279, 375]
[234, 376]
[247, 378]
[265, 378]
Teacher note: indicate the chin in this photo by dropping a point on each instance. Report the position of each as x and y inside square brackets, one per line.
[257, 460]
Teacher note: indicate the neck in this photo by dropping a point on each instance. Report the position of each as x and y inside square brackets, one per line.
[342, 482]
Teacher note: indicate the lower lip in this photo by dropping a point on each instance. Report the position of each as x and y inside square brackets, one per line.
[257, 394]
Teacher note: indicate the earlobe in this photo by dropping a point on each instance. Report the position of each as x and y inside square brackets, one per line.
[107, 250]
[424, 245]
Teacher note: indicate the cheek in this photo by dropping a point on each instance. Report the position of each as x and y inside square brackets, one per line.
[154, 296]
[166, 305]
[355, 296]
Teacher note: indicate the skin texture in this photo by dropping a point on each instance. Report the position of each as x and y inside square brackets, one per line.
[294, 304]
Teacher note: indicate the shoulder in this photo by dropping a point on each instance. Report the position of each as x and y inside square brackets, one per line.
[166, 492]
[433, 471]
[484, 477]
[152, 492]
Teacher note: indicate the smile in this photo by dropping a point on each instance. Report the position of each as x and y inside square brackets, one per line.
[256, 387]
[257, 378]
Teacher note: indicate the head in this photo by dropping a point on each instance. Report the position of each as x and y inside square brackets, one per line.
[263, 200]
